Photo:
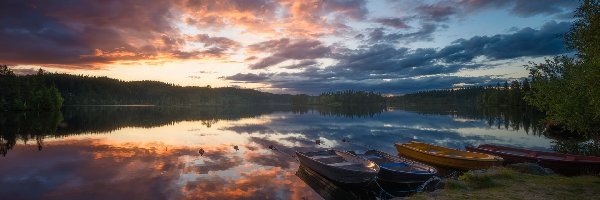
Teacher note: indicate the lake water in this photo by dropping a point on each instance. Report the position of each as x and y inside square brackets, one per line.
[153, 152]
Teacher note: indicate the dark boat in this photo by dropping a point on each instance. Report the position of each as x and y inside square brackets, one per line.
[559, 162]
[395, 169]
[329, 189]
[340, 166]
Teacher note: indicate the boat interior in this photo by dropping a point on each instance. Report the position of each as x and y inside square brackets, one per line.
[337, 159]
[396, 165]
[432, 149]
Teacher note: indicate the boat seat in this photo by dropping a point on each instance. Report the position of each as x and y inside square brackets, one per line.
[342, 164]
[372, 157]
[397, 166]
[389, 165]
[454, 155]
[326, 156]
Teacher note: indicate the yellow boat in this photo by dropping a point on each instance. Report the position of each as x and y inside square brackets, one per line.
[446, 157]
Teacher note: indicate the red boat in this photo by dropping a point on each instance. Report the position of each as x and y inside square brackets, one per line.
[561, 163]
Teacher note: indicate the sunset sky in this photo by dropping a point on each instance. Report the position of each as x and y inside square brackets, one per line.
[285, 46]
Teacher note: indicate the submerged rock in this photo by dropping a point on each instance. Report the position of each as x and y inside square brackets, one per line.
[530, 168]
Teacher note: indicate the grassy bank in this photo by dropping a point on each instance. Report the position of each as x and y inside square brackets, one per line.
[504, 183]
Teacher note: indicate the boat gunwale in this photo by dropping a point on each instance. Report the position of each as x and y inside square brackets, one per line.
[430, 169]
[490, 158]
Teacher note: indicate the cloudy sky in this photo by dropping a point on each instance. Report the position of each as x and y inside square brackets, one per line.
[286, 46]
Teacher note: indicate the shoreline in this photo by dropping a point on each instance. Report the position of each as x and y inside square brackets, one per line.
[508, 183]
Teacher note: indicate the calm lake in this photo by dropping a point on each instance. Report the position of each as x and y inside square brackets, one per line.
[153, 152]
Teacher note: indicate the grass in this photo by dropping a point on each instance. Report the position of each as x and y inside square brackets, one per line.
[504, 183]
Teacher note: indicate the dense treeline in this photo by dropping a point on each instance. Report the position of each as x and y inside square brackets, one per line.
[47, 91]
[500, 95]
[85, 90]
[568, 89]
[341, 98]
[27, 92]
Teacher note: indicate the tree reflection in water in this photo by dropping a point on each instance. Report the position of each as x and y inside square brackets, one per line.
[27, 126]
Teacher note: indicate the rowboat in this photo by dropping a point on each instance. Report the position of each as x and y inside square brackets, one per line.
[447, 157]
[558, 162]
[329, 189]
[339, 166]
[394, 169]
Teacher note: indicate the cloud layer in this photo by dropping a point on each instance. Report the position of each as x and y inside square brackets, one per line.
[386, 68]
[279, 42]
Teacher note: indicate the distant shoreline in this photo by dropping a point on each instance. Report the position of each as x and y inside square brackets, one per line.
[109, 105]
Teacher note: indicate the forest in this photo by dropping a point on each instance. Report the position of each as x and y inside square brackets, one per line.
[50, 91]
[502, 95]
[341, 98]
[27, 92]
[567, 88]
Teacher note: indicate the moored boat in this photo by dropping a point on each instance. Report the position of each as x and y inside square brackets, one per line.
[329, 189]
[447, 157]
[559, 162]
[395, 169]
[340, 166]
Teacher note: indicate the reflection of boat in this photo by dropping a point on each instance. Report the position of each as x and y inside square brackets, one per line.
[339, 166]
[394, 169]
[557, 161]
[329, 189]
[446, 157]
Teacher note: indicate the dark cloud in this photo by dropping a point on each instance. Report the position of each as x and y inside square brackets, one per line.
[548, 40]
[425, 33]
[437, 12]
[71, 33]
[89, 34]
[399, 23]
[209, 41]
[524, 8]
[249, 77]
[286, 49]
[356, 9]
[301, 64]
[407, 70]
[396, 86]
[444, 10]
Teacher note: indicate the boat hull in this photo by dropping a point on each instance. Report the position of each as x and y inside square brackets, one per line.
[446, 162]
[390, 175]
[561, 163]
[337, 174]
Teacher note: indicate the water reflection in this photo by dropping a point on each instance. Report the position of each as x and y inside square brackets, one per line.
[76, 168]
[190, 153]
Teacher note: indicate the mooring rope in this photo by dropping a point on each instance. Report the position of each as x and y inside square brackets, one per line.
[422, 186]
